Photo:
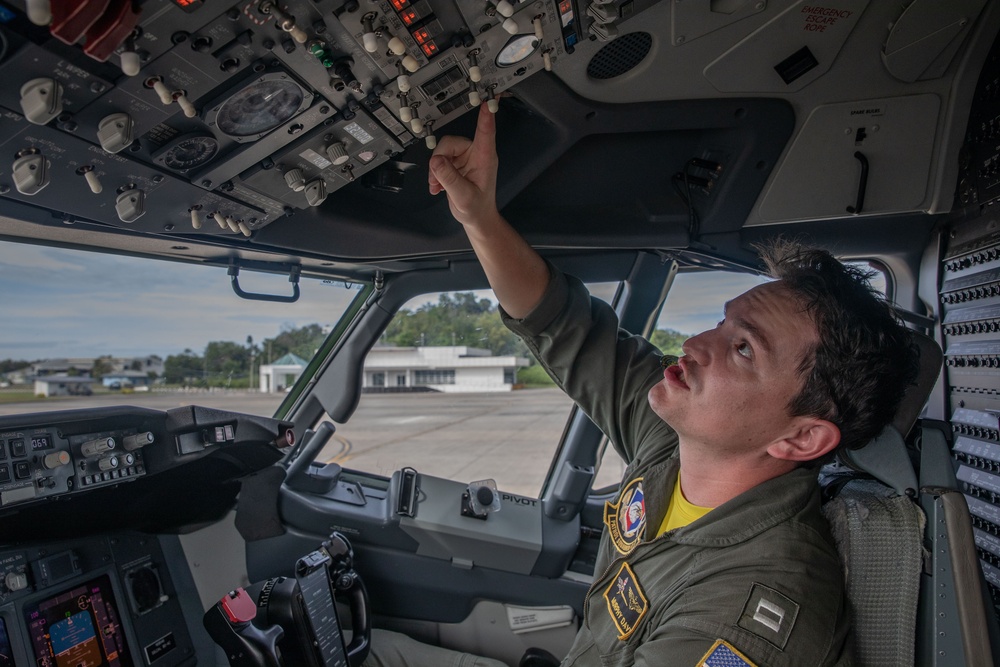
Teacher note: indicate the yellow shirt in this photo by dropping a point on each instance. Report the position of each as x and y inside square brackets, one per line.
[680, 512]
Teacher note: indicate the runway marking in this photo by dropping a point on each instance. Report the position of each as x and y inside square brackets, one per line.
[345, 449]
[407, 420]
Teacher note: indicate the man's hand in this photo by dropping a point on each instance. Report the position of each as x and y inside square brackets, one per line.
[467, 172]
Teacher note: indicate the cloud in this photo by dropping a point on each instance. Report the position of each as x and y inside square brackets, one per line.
[71, 303]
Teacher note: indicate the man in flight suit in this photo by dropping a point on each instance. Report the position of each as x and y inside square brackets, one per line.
[714, 551]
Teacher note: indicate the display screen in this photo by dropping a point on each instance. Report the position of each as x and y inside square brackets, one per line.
[80, 627]
[6, 654]
[41, 442]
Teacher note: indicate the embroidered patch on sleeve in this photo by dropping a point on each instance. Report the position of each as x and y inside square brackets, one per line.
[769, 615]
[627, 604]
[626, 518]
[724, 654]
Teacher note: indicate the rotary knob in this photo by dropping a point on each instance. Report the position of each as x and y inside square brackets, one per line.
[15, 581]
[55, 460]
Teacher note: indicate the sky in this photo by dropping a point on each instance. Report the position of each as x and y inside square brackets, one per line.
[64, 303]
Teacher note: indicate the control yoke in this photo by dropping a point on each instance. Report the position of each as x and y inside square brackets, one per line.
[285, 622]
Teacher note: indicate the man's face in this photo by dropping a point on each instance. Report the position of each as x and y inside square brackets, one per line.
[731, 390]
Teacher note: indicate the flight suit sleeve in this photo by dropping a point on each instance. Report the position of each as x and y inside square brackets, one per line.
[605, 369]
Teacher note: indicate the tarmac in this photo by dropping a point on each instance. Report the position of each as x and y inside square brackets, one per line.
[510, 437]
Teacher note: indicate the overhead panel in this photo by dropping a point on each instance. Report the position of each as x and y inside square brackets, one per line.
[925, 38]
[788, 52]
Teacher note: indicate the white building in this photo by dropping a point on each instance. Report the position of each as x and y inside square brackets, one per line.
[63, 385]
[281, 374]
[446, 368]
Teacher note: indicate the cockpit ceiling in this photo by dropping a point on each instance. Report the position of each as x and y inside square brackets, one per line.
[303, 129]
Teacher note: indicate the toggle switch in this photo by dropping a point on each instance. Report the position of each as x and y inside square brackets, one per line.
[547, 60]
[410, 63]
[536, 23]
[337, 153]
[369, 39]
[285, 21]
[234, 226]
[41, 100]
[160, 88]
[505, 8]
[397, 47]
[475, 74]
[115, 132]
[87, 171]
[219, 220]
[416, 124]
[405, 112]
[39, 11]
[510, 25]
[30, 171]
[131, 62]
[196, 221]
[429, 139]
[403, 80]
[244, 229]
[184, 103]
[475, 99]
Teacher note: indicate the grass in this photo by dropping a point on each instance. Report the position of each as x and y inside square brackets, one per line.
[19, 397]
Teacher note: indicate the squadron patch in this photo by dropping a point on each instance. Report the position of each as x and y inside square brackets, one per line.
[627, 604]
[626, 519]
[724, 654]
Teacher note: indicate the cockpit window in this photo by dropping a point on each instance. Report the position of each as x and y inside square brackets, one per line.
[449, 391]
[83, 329]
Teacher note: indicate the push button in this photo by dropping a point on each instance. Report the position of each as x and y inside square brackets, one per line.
[22, 470]
[4, 473]
[17, 447]
[3, 450]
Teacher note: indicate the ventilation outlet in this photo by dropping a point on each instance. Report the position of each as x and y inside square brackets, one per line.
[620, 56]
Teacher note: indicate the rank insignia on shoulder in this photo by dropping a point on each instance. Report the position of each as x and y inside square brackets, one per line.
[724, 654]
[627, 604]
[626, 519]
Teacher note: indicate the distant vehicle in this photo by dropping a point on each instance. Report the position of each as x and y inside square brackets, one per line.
[645, 147]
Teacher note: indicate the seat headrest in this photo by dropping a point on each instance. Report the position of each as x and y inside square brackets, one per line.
[885, 458]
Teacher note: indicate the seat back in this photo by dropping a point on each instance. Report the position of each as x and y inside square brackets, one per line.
[881, 533]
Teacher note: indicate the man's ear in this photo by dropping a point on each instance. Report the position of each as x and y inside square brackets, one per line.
[809, 439]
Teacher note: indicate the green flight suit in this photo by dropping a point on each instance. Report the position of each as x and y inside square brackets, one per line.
[757, 581]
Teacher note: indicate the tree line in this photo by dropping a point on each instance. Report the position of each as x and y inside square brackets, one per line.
[456, 319]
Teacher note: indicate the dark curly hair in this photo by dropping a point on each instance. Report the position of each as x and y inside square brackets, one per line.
[865, 358]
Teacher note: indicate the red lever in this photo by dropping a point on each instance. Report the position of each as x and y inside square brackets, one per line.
[238, 606]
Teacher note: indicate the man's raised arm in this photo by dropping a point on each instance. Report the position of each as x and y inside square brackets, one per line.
[467, 172]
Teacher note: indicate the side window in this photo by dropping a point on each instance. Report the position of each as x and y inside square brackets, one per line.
[451, 392]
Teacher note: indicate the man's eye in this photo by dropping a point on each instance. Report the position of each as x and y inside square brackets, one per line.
[745, 350]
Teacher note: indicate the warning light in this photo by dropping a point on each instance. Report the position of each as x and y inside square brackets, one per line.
[430, 48]
[420, 35]
[409, 16]
[189, 5]
[565, 6]
[400, 5]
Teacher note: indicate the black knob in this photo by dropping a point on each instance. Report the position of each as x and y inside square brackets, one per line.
[484, 495]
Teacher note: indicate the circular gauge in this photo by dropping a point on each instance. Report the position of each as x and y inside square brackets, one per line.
[260, 107]
[516, 49]
[189, 152]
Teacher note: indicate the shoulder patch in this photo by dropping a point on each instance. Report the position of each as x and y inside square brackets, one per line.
[769, 615]
[724, 654]
[626, 518]
[627, 604]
